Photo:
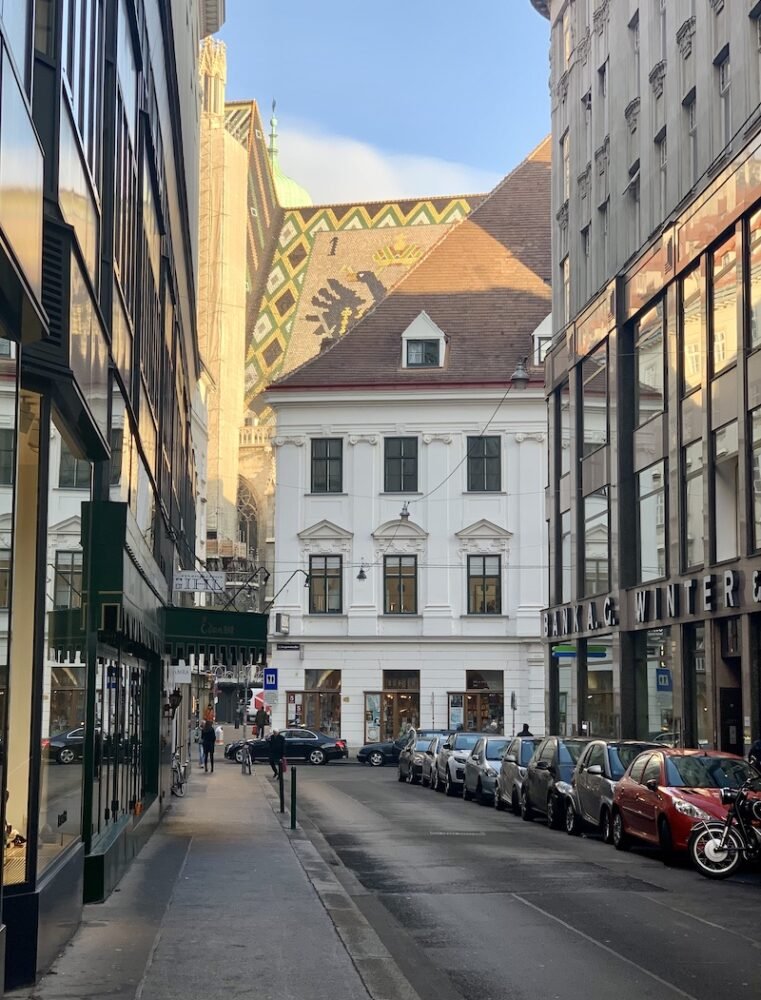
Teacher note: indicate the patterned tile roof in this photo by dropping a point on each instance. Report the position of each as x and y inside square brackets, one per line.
[485, 284]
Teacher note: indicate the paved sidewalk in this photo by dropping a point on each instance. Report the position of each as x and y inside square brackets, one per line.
[217, 906]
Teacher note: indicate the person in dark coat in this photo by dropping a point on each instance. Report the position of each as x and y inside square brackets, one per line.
[754, 754]
[261, 720]
[525, 731]
[208, 739]
[277, 752]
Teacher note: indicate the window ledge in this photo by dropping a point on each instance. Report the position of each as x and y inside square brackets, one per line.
[321, 615]
[398, 616]
[326, 494]
[400, 493]
[487, 616]
[484, 493]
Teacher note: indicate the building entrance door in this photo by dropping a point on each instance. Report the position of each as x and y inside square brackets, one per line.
[731, 720]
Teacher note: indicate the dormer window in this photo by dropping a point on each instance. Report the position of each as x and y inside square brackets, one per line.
[423, 354]
[424, 345]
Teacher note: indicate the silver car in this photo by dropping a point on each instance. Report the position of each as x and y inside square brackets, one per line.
[590, 800]
[449, 770]
[513, 771]
[482, 767]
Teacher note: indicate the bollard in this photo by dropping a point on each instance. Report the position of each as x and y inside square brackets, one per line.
[293, 798]
[282, 789]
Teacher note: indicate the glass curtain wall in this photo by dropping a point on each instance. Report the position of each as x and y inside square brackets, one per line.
[653, 684]
[696, 687]
[651, 522]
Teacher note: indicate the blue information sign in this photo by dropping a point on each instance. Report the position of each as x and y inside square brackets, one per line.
[270, 679]
[663, 681]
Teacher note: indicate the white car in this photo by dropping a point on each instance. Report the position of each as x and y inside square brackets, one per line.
[449, 770]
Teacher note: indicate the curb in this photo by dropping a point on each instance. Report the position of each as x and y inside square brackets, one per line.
[382, 977]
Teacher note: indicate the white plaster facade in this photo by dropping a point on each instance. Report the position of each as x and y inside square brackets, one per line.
[362, 524]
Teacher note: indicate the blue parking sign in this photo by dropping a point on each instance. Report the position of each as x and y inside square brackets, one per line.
[663, 681]
[270, 679]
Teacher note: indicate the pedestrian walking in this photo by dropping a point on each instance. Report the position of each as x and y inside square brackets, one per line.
[197, 740]
[754, 754]
[525, 731]
[261, 720]
[208, 739]
[277, 752]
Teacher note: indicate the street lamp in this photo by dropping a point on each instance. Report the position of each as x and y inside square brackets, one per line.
[519, 378]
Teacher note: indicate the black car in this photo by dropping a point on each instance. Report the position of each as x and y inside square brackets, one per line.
[66, 747]
[300, 744]
[548, 779]
[387, 752]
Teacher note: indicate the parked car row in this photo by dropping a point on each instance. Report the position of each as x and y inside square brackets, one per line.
[626, 790]
[300, 744]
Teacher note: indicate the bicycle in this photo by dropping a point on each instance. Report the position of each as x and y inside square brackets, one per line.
[178, 778]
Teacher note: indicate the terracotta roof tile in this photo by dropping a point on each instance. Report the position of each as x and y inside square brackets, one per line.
[485, 284]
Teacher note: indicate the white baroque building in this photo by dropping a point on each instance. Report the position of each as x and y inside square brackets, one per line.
[410, 540]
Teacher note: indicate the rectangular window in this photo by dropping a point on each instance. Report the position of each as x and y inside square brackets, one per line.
[725, 101]
[565, 556]
[565, 288]
[5, 578]
[725, 480]
[400, 472]
[651, 522]
[567, 36]
[422, 353]
[327, 465]
[7, 447]
[325, 597]
[565, 428]
[662, 152]
[692, 331]
[596, 547]
[724, 306]
[691, 111]
[649, 365]
[565, 160]
[73, 473]
[484, 472]
[484, 585]
[635, 47]
[754, 267]
[400, 585]
[755, 436]
[692, 477]
[117, 439]
[68, 580]
[595, 399]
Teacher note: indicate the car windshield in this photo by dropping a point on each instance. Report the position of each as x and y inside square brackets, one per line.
[465, 741]
[527, 750]
[622, 756]
[495, 749]
[422, 745]
[569, 751]
[706, 772]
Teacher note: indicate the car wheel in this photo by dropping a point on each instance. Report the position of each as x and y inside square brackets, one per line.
[425, 782]
[449, 787]
[466, 794]
[618, 835]
[376, 759]
[410, 777]
[499, 804]
[515, 803]
[66, 756]
[434, 780]
[527, 813]
[400, 776]
[606, 827]
[239, 756]
[318, 757]
[554, 813]
[666, 841]
[572, 822]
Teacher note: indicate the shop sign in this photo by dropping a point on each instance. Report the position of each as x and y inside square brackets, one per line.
[583, 617]
[663, 679]
[292, 646]
[196, 581]
[696, 595]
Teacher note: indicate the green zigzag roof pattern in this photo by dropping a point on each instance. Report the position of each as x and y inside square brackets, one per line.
[301, 227]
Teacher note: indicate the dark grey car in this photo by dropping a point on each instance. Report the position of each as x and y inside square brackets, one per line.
[482, 767]
[513, 771]
[590, 799]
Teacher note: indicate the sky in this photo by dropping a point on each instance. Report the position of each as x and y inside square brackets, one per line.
[393, 99]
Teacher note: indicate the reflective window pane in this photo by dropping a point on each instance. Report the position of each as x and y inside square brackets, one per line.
[596, 547]
[595, 399]
[651, 522]
[692, 476]
[755, 280]
[724, 312]
[649, 364]
[692, 330]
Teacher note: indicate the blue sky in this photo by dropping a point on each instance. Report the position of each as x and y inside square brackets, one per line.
[396, 98]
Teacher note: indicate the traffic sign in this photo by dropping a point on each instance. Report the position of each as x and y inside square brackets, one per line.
[270, 679]
[663, 679]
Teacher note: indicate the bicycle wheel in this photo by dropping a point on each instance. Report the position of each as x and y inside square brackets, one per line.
[179, 785]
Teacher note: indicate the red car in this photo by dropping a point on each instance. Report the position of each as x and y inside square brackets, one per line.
[663, 793]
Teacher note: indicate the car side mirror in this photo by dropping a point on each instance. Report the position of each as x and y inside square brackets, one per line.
[510, 758]
[542, 765]
[652, 784]
[595, 769]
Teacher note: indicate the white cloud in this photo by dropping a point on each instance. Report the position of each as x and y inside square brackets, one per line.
[335, 168]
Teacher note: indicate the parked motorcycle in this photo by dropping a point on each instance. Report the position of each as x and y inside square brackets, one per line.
[718, 850]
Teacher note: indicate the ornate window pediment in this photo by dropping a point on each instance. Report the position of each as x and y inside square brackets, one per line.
[483, 529]
[483, 536]
[325, 531]
[399, 537]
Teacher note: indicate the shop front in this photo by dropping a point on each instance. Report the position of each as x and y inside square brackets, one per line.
[481, 708]
[318, 706]
[393, 711]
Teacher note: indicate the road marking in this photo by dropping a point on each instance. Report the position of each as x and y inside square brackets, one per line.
[702, 920]
[604, 947]
[456, 833]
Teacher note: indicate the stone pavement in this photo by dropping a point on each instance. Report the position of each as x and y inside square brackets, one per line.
[217, 906]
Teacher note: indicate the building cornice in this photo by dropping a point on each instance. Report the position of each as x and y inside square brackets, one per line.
[542, 7]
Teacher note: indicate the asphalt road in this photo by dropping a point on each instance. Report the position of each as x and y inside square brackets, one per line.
[479, 905]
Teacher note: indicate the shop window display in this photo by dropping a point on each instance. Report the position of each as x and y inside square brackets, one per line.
[481, 707]
[394, 711]
[318, 706]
